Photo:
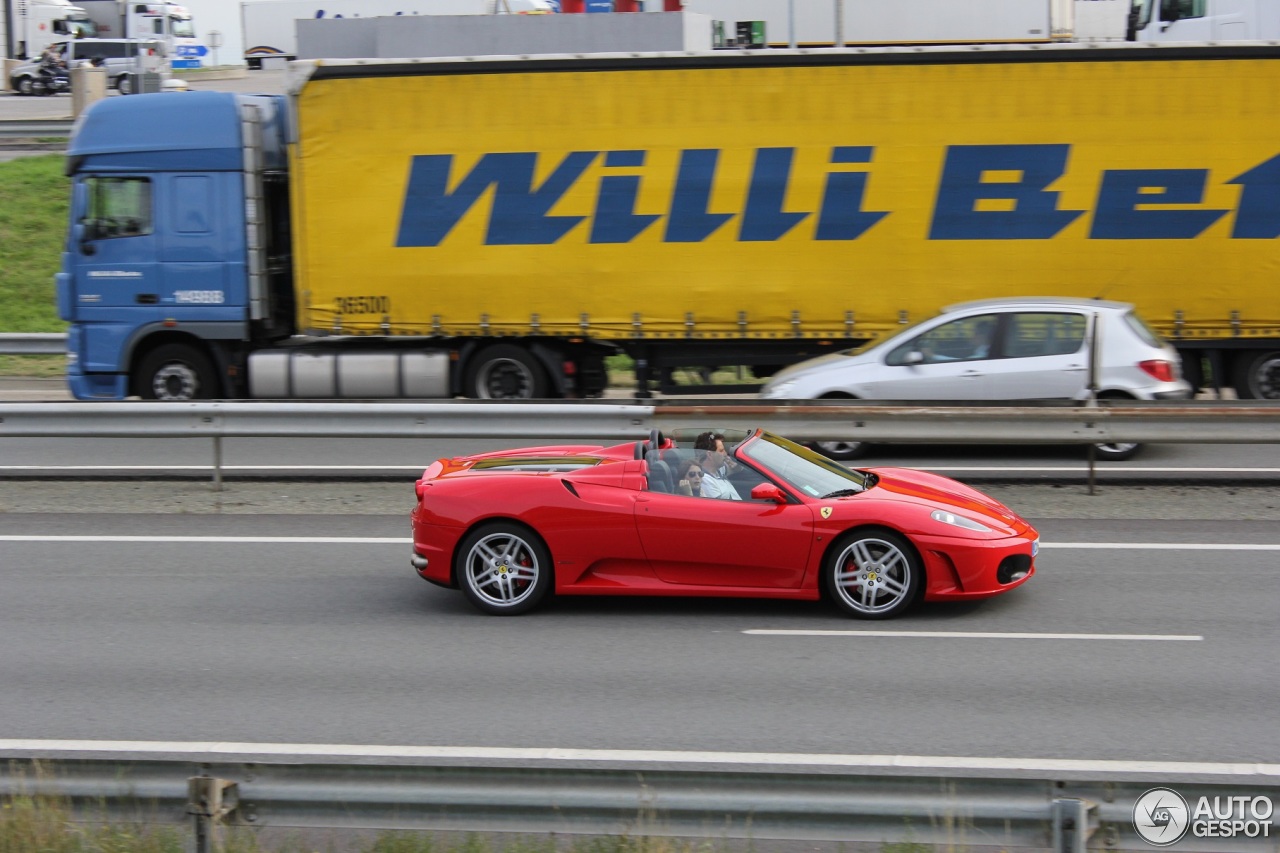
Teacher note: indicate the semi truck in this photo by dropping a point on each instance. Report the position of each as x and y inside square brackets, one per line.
[170, 22]
[27, 27]
[494, 227]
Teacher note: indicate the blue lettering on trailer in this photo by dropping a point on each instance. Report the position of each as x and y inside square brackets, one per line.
[985, 192]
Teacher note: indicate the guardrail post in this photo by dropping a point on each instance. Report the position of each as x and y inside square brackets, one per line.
[217, 463]
[210, 801]
[1073, 822]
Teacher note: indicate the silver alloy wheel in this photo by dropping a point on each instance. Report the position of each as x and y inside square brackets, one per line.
[872, 576]
[176, 381]
[123, 86]
[502, 569]
[25, 86]
[505, 379]
[1116, 451]
[840, 450]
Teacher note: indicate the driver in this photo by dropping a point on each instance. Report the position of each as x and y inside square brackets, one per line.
[715, 467]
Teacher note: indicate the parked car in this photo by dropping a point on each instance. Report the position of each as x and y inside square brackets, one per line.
[998, 350]
[511, 527]
[118, 56]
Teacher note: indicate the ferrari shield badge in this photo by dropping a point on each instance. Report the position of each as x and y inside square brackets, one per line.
[826, 512]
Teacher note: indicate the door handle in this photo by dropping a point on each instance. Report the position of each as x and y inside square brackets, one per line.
[147, 299]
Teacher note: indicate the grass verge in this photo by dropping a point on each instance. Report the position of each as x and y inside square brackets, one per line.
[33, 224]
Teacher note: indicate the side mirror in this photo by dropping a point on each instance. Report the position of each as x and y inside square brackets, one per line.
[913, 357]
[768, 492]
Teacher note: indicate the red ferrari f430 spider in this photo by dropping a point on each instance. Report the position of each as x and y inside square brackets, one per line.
[512, 527]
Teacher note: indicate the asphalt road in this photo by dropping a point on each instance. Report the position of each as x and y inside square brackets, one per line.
[321, 639]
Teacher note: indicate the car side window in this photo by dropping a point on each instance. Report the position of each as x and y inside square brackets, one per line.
[1044, 333]
[965, 339]
[118, 207]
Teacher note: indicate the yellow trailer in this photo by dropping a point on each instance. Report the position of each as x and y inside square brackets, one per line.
[526, 215]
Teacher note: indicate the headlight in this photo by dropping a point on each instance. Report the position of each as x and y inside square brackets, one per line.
[781, 389]
[958, 521]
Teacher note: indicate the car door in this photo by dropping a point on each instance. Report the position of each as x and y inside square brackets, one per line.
[709, 542]
[1044, 357]
[938, 363]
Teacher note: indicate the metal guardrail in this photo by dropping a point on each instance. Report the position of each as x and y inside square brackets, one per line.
[1210, 422]
[32, 343]
[863, 800]
[35, 128]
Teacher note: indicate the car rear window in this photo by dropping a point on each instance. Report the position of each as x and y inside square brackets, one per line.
[1142, 330]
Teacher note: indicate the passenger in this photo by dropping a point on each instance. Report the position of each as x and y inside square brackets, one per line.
[690, 479]
[979, 345]
[716, 465]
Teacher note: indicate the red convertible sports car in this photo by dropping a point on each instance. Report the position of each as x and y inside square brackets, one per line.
[511, 527]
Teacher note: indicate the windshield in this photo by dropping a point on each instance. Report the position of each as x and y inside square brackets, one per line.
[805, 471]
[1142, 12]
[181, 28]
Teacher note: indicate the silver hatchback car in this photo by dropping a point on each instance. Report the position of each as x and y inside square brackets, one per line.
[998, 349]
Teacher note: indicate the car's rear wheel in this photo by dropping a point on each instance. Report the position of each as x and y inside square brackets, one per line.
[504, 569]
[1115, 451]
[873, 574]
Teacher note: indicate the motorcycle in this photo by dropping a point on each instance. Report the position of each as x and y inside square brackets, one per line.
[51, 80]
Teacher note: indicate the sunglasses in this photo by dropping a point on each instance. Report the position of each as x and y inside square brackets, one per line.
[694, 474]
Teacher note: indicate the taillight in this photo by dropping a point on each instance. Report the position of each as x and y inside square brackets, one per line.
[1160, 370]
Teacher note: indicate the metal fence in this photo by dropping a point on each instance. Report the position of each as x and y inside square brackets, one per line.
[589, 420]
[53, 128]
[32, 343]
[960, 803]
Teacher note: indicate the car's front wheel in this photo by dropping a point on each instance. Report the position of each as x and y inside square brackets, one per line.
[25, 86]
[504, 569]
[1115, 451]
[873, 574]
[124, 85]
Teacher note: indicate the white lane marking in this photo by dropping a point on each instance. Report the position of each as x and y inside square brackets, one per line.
[312, 751]
[257, 540]
[977, 635]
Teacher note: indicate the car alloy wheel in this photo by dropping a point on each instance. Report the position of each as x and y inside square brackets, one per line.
[503, 569]
[873, 574]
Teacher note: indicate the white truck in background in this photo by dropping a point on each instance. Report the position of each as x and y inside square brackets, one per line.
[819, 23]
[862, 22]
[28, 26]
[270, 31]
[169, 22]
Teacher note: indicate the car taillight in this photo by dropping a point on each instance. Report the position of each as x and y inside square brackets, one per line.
[1160, 370]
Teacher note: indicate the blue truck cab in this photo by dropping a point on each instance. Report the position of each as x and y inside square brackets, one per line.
[177, 257]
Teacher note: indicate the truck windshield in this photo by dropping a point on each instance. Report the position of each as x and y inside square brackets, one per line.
[1142, 13]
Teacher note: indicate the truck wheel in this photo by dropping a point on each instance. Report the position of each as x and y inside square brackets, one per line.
[176, 372]
[505, 372]
[1257, 376]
